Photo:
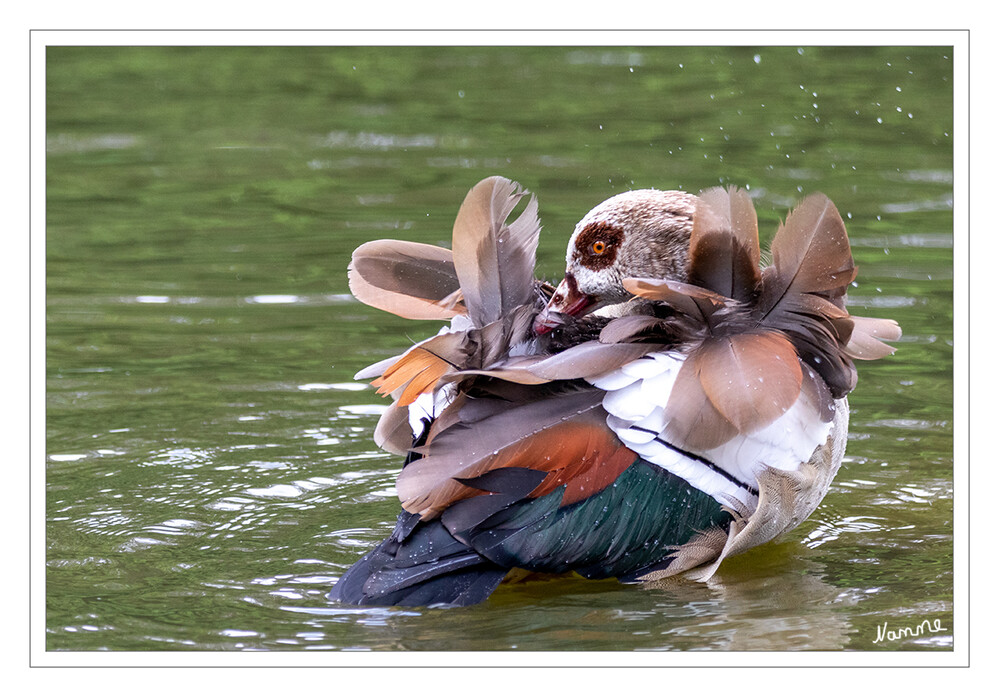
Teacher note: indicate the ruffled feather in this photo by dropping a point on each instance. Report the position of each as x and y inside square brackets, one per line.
[563, 434]
[409, 279]
[486, 286]
[748, 333]
[495, 260]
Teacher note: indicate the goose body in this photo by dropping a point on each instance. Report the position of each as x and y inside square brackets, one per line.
[668, 405]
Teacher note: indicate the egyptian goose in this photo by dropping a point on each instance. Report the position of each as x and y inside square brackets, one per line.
[669, 405]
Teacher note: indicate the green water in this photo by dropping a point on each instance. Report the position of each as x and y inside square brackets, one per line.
[209, 469]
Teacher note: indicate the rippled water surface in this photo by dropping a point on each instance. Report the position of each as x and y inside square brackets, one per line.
[209, 469]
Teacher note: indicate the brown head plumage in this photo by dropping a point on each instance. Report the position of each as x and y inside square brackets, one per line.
[637, 233]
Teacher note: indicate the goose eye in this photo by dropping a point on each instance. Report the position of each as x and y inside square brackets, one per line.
[599, 247]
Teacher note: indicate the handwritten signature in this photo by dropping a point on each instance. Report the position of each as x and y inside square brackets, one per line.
[924, 627]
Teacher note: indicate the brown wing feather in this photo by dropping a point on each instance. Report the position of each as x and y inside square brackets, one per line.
[564, 434]
[393, 432]
[584, 455]
[581, 361]
[495, 261]
[420, 368]
[589, 359]
[804, 293]
[811, 253]
[409, 279]
[865, 341]
[751, 379]
[725, 244]
[412, 365]
[753, 330]
[692, 421]
[632, 328]
[695, 301]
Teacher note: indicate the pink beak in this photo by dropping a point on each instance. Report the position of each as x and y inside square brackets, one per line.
[566, 302]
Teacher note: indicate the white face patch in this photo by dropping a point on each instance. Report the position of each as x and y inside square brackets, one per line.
[627, 232]
[603, 284]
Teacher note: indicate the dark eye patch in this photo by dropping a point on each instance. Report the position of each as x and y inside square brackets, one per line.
[598, 232]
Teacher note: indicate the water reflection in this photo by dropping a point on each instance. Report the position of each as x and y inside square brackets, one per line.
[62, 143]
[781, 606]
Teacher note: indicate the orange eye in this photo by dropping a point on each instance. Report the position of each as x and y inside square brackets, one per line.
[599, 247]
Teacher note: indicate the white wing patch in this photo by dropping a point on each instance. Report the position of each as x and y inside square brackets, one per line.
[636, 397]
[430, 404]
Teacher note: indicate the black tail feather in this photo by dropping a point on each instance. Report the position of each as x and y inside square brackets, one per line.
[419, 564]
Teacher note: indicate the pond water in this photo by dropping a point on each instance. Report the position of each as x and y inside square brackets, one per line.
[209, 468]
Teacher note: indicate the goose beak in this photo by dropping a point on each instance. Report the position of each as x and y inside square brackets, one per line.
[566, 302]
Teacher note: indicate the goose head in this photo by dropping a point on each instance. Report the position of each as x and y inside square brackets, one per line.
[637, 234]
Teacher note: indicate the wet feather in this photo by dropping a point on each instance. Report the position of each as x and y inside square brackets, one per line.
[495, 260]
[409, 279]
